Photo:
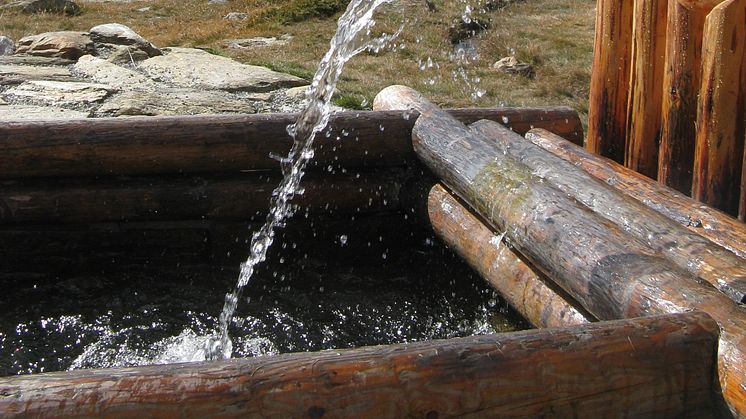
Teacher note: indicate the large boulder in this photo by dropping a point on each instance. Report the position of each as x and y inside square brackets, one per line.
[194, 68]
[119, 43]
[172, 102]
[7, 46]
[66, 44]
[67, 7]
[105, 72]
[63, 93]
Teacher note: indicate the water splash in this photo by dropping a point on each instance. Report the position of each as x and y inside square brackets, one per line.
[351, 38]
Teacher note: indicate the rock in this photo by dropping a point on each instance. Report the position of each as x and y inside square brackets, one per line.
[144, 9]
[23, 59]
[217, 2]
[17, 74]
[67, 93]
[28, 112]
[187, 67]
[107, 36]
[172, 102]
[236, 16]
[67, 7]
[7, 46]
[512, 66]
[297, 93]
[105, 72]
[71, 45]
[259, 41]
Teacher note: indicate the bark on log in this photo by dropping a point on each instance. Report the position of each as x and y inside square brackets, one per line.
[721, 112]
[649, 367]
[610, 273]
[646, 82]
[710, 223]
[198, 144]
[525, 289]
[689, 251]
[235, 197]
[681, 81]
[607, 103]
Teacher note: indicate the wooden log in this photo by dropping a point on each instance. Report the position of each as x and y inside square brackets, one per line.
[610, 273]
[198, 144]
[681, 81]
[649, 367]
[235, 197]
[525, 289]
[646, 86]
[708, 222]
[607, 103]
[721, 112]
[689, 251]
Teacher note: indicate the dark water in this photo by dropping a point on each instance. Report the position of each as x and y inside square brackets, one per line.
[141, 295]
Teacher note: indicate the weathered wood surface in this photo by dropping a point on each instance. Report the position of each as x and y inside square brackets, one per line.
[607, 103]
[650, 367]
[689, 251]
[712, 224]
[721, 112]
[523, 288]
[681, 81]
[646, 86]
[610, 273]
[235, 197]
[195, 144]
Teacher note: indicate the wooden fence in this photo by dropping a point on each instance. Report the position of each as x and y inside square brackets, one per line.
[668, 94]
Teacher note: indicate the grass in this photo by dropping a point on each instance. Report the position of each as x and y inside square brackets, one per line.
[555, 36]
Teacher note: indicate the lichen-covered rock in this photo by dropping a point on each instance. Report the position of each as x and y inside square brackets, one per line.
[12, 74]
[66, 44]
[7, 46]
[30, 112]
[67, 7]
[114, 39]
[105, 72]
[172, 102]
[194, 68]
[64, 93]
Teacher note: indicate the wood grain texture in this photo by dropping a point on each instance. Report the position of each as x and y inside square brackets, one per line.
[650, 367]
[199, 144]
[610, 273]
[222, 197]
[721, 111]
[607, 103]
[716, 226]
[681, 81]
[525, 289]
[646, 86]
[688, 250]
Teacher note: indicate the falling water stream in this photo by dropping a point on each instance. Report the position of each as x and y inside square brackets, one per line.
[351, 38]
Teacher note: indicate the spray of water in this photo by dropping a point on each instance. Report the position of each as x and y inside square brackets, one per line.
[351, 38]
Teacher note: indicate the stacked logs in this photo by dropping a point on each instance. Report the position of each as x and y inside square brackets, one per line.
[614, 255]
[668, 94]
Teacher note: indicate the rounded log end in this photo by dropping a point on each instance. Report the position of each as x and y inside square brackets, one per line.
[399, 98]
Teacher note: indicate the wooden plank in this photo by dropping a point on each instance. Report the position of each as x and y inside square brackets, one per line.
[525, 289]
[610, 273]
[646, 86]
[235, 197]
[228, 143]
[649, 367]
[721, 111]
[607, 103]
[716, 226]
[681, 81]
[689, 251]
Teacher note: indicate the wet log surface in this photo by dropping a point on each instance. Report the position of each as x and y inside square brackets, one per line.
[646, 84]
[610, 273]
[525, 289]
[721, 112]
[197, 144]
[650, 367]
[712, 224]
[609, 94]
[689, 251]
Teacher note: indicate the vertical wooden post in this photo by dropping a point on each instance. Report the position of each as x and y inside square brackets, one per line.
[719, 146]
[646, 86]
[681, 81]
[607, 107]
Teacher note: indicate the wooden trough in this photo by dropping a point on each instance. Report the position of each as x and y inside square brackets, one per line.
[567, 238]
